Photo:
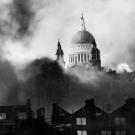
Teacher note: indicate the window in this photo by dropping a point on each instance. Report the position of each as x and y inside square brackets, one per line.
[82, 132]
[105, 132]
[98, 114]
[81, 121]
[2, 116]
[22, 115]
[120, 133]
[120, 121]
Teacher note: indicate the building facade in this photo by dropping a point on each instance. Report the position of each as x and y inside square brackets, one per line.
[20, 120]
[91, 120]
[62, 120]
[12, 114]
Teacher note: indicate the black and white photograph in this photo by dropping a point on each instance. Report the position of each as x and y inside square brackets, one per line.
[67, 67]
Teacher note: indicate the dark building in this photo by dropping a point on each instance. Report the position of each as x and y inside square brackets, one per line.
[62, 120]
[10, 115]
[41, 113]
[91, 120]
[34, 127]
[87, 120]
[121, 121]
[20, 120]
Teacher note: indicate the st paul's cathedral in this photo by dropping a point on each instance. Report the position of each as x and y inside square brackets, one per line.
[83, 51]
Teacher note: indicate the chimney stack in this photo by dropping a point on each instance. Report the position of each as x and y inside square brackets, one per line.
[90, 102]
[41, 113]
[130, 101]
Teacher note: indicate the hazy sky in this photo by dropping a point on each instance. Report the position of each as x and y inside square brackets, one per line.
[112, 22]
[29, 29]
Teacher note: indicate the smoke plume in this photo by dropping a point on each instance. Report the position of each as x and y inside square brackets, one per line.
[30, 29]
[41, 23]
[46, 83]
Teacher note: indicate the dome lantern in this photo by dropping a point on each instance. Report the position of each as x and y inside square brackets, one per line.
[83, 36]
[83, 23]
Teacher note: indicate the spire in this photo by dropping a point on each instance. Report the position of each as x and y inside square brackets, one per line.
[82, 23]
[59, 50]
[60, 53]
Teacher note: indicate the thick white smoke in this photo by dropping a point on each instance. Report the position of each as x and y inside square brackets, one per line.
[112, 22]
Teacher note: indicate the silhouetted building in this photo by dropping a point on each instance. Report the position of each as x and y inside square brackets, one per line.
[91, 120]
[41, 113]
[87, 120]
[10, 115]
[20, 120]
[122, 120]
[34, 127]
[62, 120]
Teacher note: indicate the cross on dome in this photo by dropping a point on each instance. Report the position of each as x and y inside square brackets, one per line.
[82, 23]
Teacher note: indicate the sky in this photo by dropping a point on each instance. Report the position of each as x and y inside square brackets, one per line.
[31, 29]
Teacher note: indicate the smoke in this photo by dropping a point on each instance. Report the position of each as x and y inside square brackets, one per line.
[17, 17]
[23, 15]
[30, 29]
[41, 23]
[8, 80]
[46, 82]
[18, 23]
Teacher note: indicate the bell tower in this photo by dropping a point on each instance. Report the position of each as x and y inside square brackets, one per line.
[60, 55]
[96, 55]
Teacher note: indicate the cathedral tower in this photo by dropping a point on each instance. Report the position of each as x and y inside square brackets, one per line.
[84, 51]
[60, 55]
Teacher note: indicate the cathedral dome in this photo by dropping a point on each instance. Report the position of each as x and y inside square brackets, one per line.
[82, 37]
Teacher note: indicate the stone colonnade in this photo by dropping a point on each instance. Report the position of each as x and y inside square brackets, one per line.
[80, 58]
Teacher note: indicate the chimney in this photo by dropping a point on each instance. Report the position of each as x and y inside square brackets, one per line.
[28, 102]
[28, 108]
[41, 113]
[130, 101]
[90, 102]
[55, 109]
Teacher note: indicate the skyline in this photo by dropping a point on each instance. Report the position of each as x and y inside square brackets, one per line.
[111, 23]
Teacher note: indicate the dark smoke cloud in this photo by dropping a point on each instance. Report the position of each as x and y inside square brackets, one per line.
[46, 82]
[17, 18]
[23, 14]
[8, 80]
